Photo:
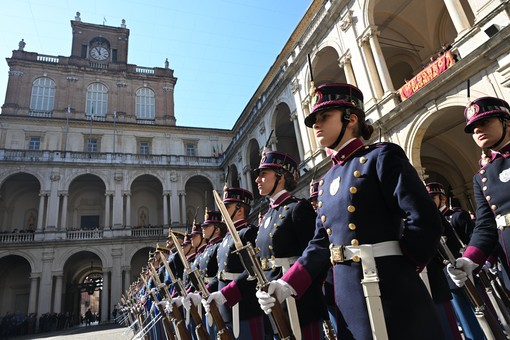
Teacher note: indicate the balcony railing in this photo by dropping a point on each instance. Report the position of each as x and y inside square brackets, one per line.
[16, 237]
[84, 234]
[45, 156]
[146, 232]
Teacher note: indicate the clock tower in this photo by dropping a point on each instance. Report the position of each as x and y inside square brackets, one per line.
[99, 43]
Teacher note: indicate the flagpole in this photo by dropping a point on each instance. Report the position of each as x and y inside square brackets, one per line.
[114, 129]
[90, 133]
[67, 126]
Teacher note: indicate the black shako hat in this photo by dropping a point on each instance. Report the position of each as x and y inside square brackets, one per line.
[237, 195]
[278, 161]
[485, 107]
[435, 188]
[335, 95]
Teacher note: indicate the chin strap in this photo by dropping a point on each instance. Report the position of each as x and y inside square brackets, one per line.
[344, 121]
[503, 123]
[278, 176]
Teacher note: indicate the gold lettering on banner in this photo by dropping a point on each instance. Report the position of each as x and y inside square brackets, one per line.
[429, 73]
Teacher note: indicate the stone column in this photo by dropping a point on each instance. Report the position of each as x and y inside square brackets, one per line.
[128, 208]
[384, 74]
[45, 287]
[247, 175]
[32, 299]
[116, 284]
[127, 278]
[294, 120]
[53, 203]
[105, 308]
[57, 301]
[301, 114]
[182, 210]
[457, 14]
[63, 221]
[174, 207]
[372, 69]
[165, 209]
[345, 64]
[107, 209]
[118, 203]
[40, 213]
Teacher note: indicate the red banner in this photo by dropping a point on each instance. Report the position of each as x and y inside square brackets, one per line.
[429, 73]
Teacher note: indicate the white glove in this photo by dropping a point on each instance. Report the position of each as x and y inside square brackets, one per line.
[168, 307]
[280, 289]
[461, 271]
[488, 267]
[194, 298]
[217, 297]
[177, 300]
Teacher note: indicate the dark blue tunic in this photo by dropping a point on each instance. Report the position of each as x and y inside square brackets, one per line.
[491, 187]
[372, 194]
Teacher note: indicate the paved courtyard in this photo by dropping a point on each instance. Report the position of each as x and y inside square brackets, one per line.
[94, 332]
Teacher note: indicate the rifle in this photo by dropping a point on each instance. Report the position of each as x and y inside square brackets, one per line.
[329, 331]
[200, 330]
[252, 265]
[176, 317]
[166, 321]
[198, 282]
[488, 322]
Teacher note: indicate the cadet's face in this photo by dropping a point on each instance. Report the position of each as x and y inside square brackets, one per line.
[265, 181]
[327, 126]
[487, 132]
[207, 230]
[436, 200]
[195, 240]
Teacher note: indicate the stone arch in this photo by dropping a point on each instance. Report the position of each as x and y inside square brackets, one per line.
[19, 201]
[198, 195]
[15, 284]
[440, 150]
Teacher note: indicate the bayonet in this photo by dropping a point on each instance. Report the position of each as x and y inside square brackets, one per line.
[175, 315]
[488, 322]
[198, 282]
[200, 330]
[252, 265]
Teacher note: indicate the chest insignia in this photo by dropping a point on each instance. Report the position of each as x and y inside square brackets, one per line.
[334, 186]
[504, 176]
[266, 222]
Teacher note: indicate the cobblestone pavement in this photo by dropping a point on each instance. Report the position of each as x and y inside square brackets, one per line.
[95, 332]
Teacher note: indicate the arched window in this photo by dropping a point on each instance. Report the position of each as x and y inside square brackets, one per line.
[43, 95]
[97, 100]
[145, 104]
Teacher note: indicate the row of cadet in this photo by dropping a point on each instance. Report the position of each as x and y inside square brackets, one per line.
[372, 254]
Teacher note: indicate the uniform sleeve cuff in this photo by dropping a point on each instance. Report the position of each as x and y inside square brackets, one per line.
[231, 293]
[299, 279]
[476, 255]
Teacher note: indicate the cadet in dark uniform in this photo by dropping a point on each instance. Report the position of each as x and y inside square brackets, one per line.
[283, 234]
[370, 200]
[244, 317]
[460, 225]
[213, 231]
[488, 120]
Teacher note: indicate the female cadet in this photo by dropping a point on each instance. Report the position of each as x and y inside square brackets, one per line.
[245, 319]
[488, 120]
[283, 234]
[370, 201]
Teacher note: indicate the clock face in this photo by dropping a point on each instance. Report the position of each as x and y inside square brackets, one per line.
[99, 53]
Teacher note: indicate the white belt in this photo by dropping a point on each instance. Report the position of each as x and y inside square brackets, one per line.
[226, 276]
[503, 221]
[341, 254]
[284, 262]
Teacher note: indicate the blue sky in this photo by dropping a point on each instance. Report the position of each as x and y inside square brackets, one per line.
[219, 50]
